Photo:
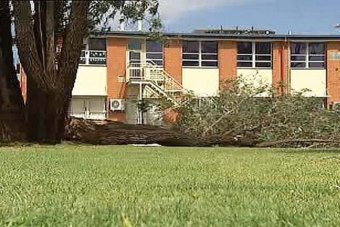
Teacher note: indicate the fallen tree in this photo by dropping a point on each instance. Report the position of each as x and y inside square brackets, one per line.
[256, 116]
[115, 133]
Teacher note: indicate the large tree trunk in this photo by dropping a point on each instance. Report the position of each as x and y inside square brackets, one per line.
[12, 122]
[49, 85]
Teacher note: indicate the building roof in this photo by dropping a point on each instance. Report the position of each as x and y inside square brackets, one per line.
[270, 35]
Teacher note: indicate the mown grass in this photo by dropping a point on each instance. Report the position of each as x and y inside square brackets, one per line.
[133, 186]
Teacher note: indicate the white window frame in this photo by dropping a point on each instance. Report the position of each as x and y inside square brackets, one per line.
[200, 53]
[307, 55]
[153, 60]
[254, 55]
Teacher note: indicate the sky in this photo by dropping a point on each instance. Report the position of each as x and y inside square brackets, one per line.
[282, 16]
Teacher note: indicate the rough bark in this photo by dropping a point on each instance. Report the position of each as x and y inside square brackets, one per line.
[12, 125]
[114, 133]
[49, 86]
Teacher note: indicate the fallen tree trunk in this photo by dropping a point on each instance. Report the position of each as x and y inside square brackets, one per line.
[115, 133]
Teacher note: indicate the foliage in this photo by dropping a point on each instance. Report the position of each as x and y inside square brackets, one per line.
[113, 186]
[255, 112]
[49, 37]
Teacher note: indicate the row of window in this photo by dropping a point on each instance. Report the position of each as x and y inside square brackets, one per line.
[308, 55]
[253, 54]
[249, 54]
[200, 54]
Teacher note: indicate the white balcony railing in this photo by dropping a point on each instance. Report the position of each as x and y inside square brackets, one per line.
[93, 57]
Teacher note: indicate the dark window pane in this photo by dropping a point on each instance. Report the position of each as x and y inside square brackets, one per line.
[134, 56]
[316, 64]
[154, 56]
[82, 53]
[209, 57]
[316, 48]
[245, 57]
[190, 47]
[263, 64]
[298, 58]
[210, 63]
[298, 48]
[97, 44]
[263, 48]
[191, 56]
[157, 62]
[153, 46]
[190, 63]
[135, 44]
[209, 47]
[317, 58]
[244, 48]
[245, 64]
[298, 64]
[263, 58]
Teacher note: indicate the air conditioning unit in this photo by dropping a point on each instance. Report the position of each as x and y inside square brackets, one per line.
[117, 104]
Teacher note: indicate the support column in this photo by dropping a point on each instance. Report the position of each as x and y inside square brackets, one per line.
[281, 67]
[227, 61]
[173, 58]
[116, 71]
[333, 72]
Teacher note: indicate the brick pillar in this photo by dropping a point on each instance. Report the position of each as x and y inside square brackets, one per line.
[227, 60]
[116, 67]
[281, 67]
[173, 58]
[333, 72]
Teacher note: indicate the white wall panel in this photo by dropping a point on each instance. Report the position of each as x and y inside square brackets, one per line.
[202, 81]
[313, 80]
[91, 81]
[256, 77]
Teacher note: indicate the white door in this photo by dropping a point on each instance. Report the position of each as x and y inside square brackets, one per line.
[89, 108]
[78, 108]
[96, 109]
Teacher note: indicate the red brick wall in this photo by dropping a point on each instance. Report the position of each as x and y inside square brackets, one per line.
[116, 67]
[173, 59]
[227, 60]
[333, 73]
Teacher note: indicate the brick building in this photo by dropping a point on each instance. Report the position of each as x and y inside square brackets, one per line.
[119, 68]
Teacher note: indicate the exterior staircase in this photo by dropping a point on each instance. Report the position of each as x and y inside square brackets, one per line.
[156, 80]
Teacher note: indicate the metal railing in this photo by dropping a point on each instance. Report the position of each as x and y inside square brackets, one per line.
[158, 79]
[93, 57]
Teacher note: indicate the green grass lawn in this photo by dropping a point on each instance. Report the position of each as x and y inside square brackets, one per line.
[134, 186]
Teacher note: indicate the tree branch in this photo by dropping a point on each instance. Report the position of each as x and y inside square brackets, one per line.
[29, 56]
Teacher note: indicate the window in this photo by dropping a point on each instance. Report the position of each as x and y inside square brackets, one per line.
[154, 52]
[254, 55]
[307, 55]
[94, 53]
[200, 54]
[97, 44]
[135, 44]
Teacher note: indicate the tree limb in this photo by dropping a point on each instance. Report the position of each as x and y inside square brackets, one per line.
[29, 56]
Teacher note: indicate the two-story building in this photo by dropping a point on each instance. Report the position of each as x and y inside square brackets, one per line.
[119, 68]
